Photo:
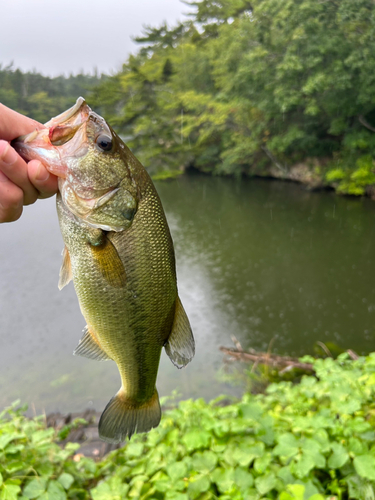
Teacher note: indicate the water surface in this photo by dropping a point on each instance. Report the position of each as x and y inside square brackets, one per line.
[261, 260]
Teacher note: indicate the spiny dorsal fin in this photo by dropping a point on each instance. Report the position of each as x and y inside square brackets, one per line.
[109, 263]
[89, 347]
[180, 345]
[65, 270]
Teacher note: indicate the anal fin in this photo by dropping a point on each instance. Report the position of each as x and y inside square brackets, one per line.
[108, 260]
[89, 347]
[65, 270]
[180, 345]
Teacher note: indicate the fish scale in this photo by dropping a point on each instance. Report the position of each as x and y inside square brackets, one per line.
[119, 254]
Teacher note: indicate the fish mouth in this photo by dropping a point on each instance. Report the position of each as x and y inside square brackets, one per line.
[67, 129]
[69, 113]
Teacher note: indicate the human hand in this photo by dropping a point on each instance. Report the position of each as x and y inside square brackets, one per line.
[21, 183]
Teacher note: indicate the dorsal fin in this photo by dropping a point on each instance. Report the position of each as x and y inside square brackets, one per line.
[65, 270]
[89, 347]
[109, 263]
[180, 345]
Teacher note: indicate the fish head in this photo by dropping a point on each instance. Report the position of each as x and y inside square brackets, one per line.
[90, 160]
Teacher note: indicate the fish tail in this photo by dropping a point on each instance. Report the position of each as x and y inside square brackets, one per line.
[122, 417]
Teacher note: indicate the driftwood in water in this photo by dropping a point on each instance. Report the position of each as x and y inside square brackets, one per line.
[281, 363]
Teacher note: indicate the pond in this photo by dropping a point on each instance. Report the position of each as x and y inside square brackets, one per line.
[265, 261]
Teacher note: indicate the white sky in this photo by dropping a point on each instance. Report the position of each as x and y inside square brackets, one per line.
[56, 37]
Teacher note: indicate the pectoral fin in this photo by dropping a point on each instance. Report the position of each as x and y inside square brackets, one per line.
[180, 345]
[89, 347]
[65, 270]
[109, 263]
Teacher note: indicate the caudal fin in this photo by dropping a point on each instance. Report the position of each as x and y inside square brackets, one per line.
[123, 417]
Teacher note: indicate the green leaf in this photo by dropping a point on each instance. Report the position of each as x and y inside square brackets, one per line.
[265, 483]
[360, 488]
[35, 488]
[42, 436]
[196, 439]
[251, 410]
[1, 479]
[295, 492]
[162, 486]
[242, 478]
[66, 480]
[174, 495]
[205, 461]
[365, 466]
[134, 449]
[285, 474]
[7, 438]
[357, 447]
[55, 491]
[15, 465]
[198, 486]
[102, 492]
[339, 456]
[287, 447]
[224, 479]
[177, 471]
[10, 490]
[112, 489]
[45, 469]
[261, 464]
[303, 466]
[244, 455]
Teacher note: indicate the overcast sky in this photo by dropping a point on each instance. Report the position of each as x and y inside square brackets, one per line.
[56, 37]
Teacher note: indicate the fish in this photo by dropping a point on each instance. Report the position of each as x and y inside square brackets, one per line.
[119, 254]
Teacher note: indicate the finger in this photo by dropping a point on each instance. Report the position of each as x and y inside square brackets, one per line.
[15, 169]
[44, 182]
[13, 124]
[11, 200]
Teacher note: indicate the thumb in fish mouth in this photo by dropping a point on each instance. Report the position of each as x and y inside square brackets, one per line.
[21, 183]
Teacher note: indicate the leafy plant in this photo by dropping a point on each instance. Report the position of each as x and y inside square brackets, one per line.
[313, 440]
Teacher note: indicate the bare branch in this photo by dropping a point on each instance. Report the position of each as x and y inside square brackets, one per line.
[265, 358]
[365, 123]
[273, 159]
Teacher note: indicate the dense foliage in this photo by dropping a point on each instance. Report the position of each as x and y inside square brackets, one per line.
[244, 86]
[240, 87]
[42, 97]
[314, 440]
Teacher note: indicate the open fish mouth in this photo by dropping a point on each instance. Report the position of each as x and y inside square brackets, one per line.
[68, 114]
[43, 145]
[64, 127]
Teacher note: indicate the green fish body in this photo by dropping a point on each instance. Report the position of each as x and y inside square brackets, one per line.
[119, 254]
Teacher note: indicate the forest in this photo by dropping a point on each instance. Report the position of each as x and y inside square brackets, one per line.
[268, 88]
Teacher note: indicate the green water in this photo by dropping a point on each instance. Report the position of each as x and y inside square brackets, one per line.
[282, 262]
[265, 261]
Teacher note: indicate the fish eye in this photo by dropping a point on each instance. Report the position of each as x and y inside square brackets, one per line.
[104, 142]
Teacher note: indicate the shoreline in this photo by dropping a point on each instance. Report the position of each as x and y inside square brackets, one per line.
[85, 434]
[310, 173]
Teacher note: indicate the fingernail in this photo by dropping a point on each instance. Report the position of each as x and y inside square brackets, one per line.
[7, 154]
[42, 173]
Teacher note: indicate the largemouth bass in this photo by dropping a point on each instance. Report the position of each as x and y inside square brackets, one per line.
[119, 254]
